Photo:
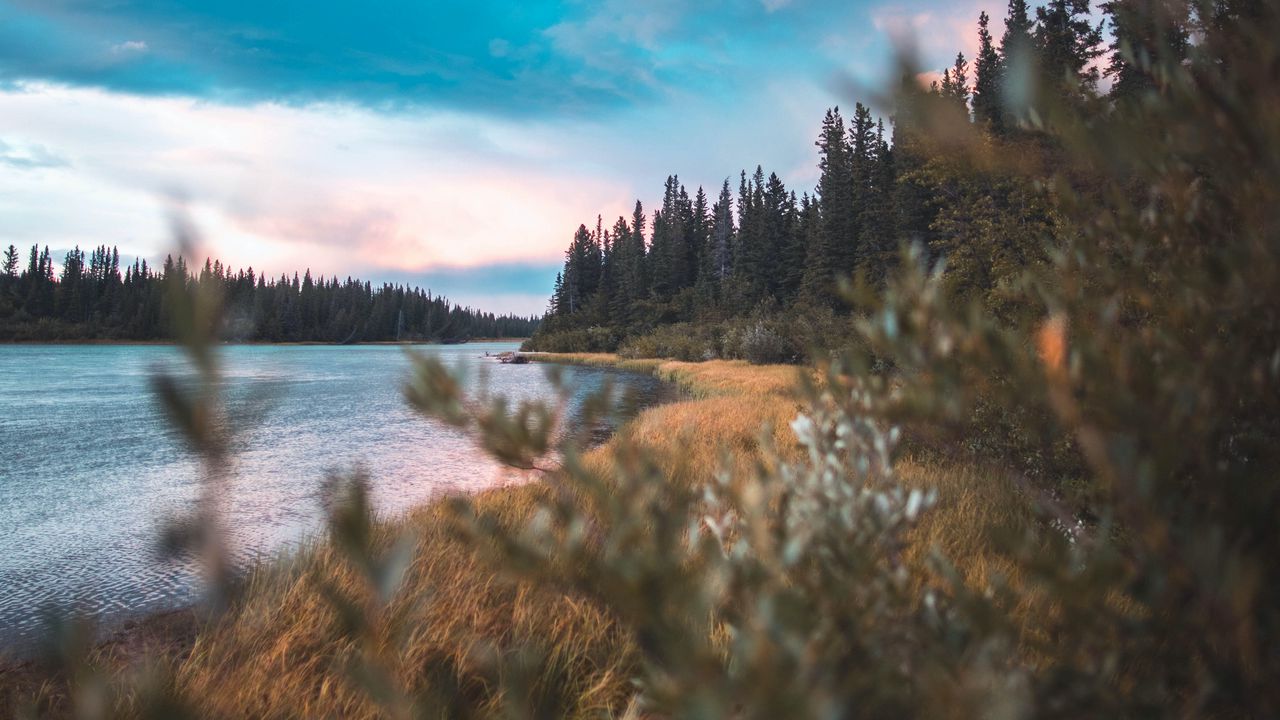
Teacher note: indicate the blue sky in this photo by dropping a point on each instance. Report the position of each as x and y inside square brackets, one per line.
[451, 144]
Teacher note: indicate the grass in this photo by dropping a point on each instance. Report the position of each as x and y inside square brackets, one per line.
[276, 652]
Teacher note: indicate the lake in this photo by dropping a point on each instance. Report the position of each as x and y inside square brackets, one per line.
[92, 472]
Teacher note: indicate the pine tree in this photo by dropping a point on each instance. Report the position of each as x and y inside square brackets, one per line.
[986, 80]
[779, 219]
[699, 236]
[624, 259]
[1017, 64]
[795, 248]
[1148, 34]
[722, 234]
[639, 251]
[10, 264]
[955, 85]
[833, 256]
[863, 151]
[1066, 43]
[879, 231]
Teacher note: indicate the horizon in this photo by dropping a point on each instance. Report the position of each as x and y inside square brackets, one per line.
[451, 148]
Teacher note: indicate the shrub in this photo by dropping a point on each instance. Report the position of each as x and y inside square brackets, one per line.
[682, 341]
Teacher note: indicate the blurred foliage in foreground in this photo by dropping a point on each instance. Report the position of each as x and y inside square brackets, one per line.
[1127, 387]
[1139, 365]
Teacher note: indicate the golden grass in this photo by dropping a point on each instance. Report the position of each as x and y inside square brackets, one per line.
[276, 653]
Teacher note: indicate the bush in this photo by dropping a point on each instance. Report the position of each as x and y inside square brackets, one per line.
[760, 343]
[593, 339]
[682, 341]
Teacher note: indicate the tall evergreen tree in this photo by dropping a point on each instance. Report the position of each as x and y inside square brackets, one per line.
[1067, 42]
[10, 264]
[986, 79]
[699, 236]
[833, 255]
[955, 84]
[862, 159]
[1147, 34]
[722, 234]
[1017, 64]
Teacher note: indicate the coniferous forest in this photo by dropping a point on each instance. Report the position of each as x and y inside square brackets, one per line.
[93, 301]
[754, 269]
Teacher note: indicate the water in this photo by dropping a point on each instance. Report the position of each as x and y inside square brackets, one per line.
[91, 472]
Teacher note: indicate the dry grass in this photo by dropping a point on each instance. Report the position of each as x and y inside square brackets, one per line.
[277, 653]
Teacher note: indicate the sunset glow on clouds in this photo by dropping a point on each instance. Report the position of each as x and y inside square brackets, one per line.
[454, 145]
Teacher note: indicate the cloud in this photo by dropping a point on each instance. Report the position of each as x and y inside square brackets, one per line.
[129, 46]
[29, 156]
[534, 58]
[333, 188]
[404, 139]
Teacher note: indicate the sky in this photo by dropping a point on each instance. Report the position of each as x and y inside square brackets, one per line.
[454, 145]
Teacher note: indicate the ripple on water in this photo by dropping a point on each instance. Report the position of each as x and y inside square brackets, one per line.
[92, 472]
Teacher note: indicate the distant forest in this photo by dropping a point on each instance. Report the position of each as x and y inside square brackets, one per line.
[93, 301]
[756, 273]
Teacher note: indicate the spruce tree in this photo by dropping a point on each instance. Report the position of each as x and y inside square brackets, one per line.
[833, 256]
[955, 85]
[863, 150]
[624, 257]
[11, 264]
[1017, 64]
[699, 236]
[1148, 35]
[722, 234]
[795, 248]
[1066, 43]
[879, 231]
[986, 79]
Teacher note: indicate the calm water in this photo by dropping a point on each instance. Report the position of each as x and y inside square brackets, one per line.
[90, 471]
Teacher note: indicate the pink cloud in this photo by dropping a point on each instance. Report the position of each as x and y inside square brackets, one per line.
[938, 32]
[285, 188]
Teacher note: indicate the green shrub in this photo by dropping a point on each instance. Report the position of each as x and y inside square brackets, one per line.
[761, 341]
[692, 342]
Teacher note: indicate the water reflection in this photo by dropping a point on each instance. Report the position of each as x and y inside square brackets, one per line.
[91, 471]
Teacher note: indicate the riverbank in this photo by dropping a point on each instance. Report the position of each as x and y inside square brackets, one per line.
[273, 653]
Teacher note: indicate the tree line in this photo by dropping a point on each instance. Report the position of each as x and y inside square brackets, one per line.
[90, 298]
[765, 251]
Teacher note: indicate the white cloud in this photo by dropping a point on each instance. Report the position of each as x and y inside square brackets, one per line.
[288, 187]
[29, 156]
[129, 46]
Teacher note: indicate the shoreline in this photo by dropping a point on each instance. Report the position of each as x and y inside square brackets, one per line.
[727, 402]
[167, 629]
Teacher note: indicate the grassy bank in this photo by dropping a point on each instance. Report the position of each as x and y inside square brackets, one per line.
[268, 657]
[277, 651]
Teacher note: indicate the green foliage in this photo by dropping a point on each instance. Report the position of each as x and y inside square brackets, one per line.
[1135, 357]
[681, 341]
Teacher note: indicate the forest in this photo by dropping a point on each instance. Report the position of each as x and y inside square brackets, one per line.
[94, 301]
[756, 274]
